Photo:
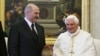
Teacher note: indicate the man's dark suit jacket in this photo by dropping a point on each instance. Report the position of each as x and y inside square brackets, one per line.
[3, 51]
[22, 42]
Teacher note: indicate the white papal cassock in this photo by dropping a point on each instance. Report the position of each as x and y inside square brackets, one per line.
[79, 43]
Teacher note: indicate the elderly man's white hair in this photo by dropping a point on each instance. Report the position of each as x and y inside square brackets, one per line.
[76, 20]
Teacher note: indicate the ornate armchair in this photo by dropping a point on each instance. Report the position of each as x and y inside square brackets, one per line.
[97, 45]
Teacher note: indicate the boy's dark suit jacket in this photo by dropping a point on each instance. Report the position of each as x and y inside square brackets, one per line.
[22, 42]
[3, 51]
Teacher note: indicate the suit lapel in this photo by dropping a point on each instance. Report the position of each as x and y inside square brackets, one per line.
[39, 32]
[29, 30]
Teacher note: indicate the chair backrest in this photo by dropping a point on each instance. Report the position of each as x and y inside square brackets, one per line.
[97, 45]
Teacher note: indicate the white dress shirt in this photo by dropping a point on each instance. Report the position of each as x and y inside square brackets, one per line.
[30, 23]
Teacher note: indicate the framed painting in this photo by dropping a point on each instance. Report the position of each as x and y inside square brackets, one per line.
[51, 13]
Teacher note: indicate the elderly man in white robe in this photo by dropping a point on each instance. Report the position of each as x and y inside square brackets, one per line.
[74, 42]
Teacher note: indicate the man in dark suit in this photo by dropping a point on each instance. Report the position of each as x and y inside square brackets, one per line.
[23, 40]
[3, 51]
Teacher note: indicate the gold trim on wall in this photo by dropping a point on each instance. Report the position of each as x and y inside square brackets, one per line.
[2, 11]
[86, 15]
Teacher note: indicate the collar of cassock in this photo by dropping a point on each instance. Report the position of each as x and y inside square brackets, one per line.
[74, 34]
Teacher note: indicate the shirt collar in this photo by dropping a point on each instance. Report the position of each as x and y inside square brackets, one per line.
[28, 22]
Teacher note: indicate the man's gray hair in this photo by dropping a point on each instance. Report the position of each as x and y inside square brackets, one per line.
[28, 8]
[73, 17]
